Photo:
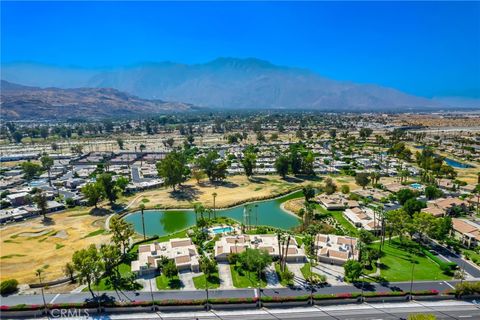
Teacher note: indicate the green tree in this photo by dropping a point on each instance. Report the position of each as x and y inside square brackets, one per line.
[170, 269]
[41, 201]
[432, 192]
[93, 191]
[30, 170]
[398, 222]
[121, 232]
[254, 260]
[308, 192]
[248, 162]
[109, 187]
[8, 286]
[214, 169]
[345, 189]
[47, 164]
[172, 169]
[111, 257]
[89, 266]
[120, 143]
[121, 184]
[405, 194]
[362, 179]
[307, 163]
[69, 271]
[330, 187]
[365, 133]
[353, 270]
[412, 206]
[281, 165]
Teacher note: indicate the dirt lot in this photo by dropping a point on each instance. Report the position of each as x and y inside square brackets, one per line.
[30, 245]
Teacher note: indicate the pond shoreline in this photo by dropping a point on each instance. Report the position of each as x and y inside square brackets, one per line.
[236, 205]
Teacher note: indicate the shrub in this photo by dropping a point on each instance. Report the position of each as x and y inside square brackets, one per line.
[8, 286]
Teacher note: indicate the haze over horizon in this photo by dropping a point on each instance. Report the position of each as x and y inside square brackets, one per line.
[425, 49]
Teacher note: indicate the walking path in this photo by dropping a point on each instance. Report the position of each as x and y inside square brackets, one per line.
[298, 279]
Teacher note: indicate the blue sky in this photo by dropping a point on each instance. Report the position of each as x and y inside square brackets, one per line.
[424, 48]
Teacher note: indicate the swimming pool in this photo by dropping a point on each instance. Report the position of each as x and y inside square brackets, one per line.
[218, 230]
[417, 186]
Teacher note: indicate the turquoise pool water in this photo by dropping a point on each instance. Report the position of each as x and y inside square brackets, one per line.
[416, 186]
[222, 230]
[268, 213]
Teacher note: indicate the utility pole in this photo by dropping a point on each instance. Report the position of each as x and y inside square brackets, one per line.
[411, 281]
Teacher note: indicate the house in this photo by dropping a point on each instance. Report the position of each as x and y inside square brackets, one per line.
[181, 250]
[237, 244]
[335, 249]
[332, 202]
[18, 199]
[468, 232]
[362, 218]
[441, 206]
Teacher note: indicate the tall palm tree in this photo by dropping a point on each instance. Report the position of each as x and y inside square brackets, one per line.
[214, 195]
[142, 207]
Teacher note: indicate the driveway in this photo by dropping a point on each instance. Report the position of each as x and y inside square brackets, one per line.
[272, 277]
[298, 279]
[333, 273]
[146, 280]
[225, 275]
[187, 279]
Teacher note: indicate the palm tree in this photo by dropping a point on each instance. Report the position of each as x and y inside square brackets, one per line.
[214, 210]
[142, 207]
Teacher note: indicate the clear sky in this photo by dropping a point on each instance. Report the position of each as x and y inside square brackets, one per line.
[424, 48]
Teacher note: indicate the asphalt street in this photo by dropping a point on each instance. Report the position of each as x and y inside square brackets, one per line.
[377, 311]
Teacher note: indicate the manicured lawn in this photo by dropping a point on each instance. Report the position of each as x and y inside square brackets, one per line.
[213, 281]
[283, 281]
[338, 215]
[306, 270]
[472, 255]
[396, 265]
[164, 283]
[243, 279]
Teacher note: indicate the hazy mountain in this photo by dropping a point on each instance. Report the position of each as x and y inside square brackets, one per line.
[227, 83]
[23, 102]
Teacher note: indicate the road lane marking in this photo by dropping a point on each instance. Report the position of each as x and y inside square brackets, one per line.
[448, 284]
[54, 298]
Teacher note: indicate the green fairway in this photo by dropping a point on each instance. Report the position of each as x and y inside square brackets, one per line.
[244, 279]
[397, 265]
[213, 281]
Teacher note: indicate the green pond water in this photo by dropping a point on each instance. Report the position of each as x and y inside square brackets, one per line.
[268, 213]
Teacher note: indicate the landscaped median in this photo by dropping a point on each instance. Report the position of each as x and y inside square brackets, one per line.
[112, 306]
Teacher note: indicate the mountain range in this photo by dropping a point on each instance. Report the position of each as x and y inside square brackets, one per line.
[229, 83]
[20, 102]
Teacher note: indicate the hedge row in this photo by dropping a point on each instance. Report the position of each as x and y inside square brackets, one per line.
[445, 266]
[173, 302]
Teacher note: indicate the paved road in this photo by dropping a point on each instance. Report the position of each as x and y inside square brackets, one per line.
[379, 311]
[235, 293]
[462, 263]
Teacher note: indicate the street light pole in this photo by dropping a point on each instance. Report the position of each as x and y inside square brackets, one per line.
[411, 281]
[259, 289]
[207, 306]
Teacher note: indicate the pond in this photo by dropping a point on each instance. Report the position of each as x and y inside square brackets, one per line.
[456, 164]
[267, 213]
